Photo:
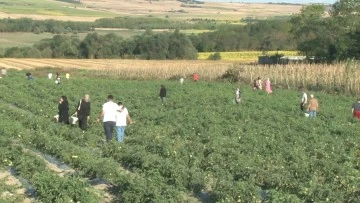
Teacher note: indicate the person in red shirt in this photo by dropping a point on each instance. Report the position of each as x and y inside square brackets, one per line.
[196, 77]
[356, 109]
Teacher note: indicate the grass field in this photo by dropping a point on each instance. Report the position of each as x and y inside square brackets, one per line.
[49, 8]
[91, 10]
[198, 147]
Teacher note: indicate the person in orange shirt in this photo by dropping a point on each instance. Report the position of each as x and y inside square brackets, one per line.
[196, 77]
[313, 107]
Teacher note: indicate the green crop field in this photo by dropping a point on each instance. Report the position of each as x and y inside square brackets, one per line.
[51, 8]
[199, 146]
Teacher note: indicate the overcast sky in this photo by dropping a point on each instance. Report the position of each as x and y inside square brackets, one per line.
[278, 1]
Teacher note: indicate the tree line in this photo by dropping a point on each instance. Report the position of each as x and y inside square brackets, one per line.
[328, 35]
[58, 27]
[40, 26]
[173, 45]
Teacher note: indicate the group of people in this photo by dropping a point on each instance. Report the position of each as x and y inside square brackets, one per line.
[82, 112]
[257, 85]
[58, 78]
[114, 115]
[312, 107]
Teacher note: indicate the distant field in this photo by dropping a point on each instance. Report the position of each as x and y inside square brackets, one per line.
[33, 8]
[91, 10]
[244, 56]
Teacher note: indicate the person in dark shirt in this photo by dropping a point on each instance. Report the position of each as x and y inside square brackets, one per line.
[356, 109]
[63, 110]
[163, 94]
[83, 112]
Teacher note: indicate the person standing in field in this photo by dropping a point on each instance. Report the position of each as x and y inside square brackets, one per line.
[108, 114]
[122, 117]
[162, 93]
[50, 76]
[196, 77]
[3, 72]
[181, 80]
[83, 112]
[67, 76]
[356, 109]
[268, 86]
[303, 100]
[237, 96]
[313, 107]
[63, 108]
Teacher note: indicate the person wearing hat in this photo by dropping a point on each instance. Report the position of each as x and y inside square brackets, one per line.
[313, 107]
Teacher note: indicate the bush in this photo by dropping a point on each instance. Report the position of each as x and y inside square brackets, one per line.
[216, 56]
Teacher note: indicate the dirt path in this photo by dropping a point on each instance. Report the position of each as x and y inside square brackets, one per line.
[19, 191]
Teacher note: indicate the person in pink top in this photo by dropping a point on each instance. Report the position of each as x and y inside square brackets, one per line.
[268, 86]
[196, 77]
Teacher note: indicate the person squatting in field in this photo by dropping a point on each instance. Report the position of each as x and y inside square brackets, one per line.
[257, 84]
[313, 107]
[303, 99]
[122, 116]
[108, 114]
[57, 79]
[356, 109]
[29, 76]
[162, 93]
[83, 112]
[63, 108]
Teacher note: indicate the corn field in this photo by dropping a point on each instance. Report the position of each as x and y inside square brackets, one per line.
[342, 77]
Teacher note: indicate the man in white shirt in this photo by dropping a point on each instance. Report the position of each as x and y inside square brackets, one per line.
[122, 116]
[303, 100]
[3, 72]
[50, 76]
[108, 114]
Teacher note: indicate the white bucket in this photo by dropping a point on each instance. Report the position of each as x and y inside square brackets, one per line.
[307, 115]
[73, 120]
[56, 118]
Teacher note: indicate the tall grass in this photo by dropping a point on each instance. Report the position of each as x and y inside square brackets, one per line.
[342, 77]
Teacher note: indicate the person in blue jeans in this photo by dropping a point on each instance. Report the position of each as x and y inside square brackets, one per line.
[108, 114]
[313, 107]
[122, 116]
